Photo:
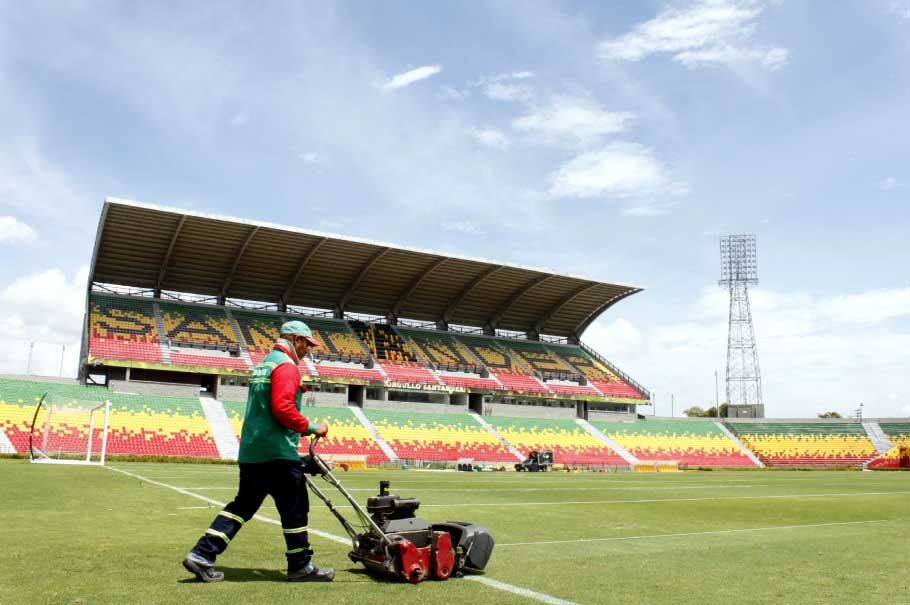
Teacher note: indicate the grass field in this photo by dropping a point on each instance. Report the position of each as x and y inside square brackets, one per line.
[93, 535]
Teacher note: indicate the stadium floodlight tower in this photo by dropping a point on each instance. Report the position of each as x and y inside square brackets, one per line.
[739, 270]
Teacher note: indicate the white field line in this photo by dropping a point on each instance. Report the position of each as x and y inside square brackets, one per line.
[537, 596]
[694, 533]
[194, 508]
[519, 489]
[649, 500]
[564, 489]
[186, 492]
[518, 590]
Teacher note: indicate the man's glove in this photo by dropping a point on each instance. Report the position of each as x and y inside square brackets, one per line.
[309, 466]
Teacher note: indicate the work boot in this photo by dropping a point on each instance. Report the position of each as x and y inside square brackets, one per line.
[311, 573]
[202, 568]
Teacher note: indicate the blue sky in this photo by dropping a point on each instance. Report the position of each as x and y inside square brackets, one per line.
[611, 140]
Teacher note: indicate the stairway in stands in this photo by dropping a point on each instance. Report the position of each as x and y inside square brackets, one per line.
[387, 450]
[159, 322]
[496, 434]
[746, 451]
[6, 446]
[222, 432]
[877, 437]
[626, 455]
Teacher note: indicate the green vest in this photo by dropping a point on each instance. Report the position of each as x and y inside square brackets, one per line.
[263, 438]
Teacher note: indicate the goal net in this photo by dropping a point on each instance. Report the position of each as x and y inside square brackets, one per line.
[69, 431]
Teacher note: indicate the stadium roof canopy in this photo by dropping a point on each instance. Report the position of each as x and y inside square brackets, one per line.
[148, 246]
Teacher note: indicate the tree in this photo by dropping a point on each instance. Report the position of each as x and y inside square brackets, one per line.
[830, 415]
[694, 412]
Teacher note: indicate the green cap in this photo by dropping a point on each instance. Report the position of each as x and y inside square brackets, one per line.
[301, 329]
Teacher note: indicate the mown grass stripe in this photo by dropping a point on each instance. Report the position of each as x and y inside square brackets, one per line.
[694, 533]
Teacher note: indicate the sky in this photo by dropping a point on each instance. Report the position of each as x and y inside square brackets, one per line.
[616, 141]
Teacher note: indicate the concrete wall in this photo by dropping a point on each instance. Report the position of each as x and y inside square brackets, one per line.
[598, 416]
[54, 379]
[529, 411]
[328, 400]
[158, 389]
[409, 406]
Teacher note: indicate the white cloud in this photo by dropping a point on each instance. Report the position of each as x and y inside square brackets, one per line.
[890, 183]
[817, 353]
[12, 230]
[507, 86]
[773, 58]
[32, 183]
[462, 227]
[448, 93]
[490, 137]
[44, 308]
[572, 117]
[618, 170]
[708, 32]
[506, 91]
[409, 77]
[901, 8]
[309, 157]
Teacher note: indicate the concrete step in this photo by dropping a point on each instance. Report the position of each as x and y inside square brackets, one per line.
[877, 437]
[238, 338]
[222, 432]
[593, 430]
[372, 429]
[162, 335]
[498, 437]
[6, 446]
[746, 451]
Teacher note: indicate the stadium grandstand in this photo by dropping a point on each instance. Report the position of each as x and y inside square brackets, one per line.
[425, 357]
[189, 298]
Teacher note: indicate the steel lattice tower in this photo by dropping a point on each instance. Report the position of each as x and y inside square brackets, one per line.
[739, 269]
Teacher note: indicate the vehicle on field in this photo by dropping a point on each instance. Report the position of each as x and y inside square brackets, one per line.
[536, 461]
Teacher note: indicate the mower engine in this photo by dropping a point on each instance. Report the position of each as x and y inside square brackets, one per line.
[411, 549]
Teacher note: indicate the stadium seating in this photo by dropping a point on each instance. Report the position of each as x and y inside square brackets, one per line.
[383, 342]
[336, 338]
[395, 356]
[806, 444]
[408, 372]
[424, 436]
[691, 441]
[348, 371]
[138, 424]
[898, 433]
[561, 388]
[549, 365]
[537, 357]
[502, 365]
[468, 382]
[597, 373]
[205, 336]
[258, 331]
[570, 443]
[346, 434]
[440, 349]
[123, 328]
[196, 325]
[200, 331]
[457, 365]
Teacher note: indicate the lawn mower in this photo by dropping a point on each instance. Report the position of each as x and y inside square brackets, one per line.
[388, 539]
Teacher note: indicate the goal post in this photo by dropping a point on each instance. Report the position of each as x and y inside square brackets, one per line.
[69, 431]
